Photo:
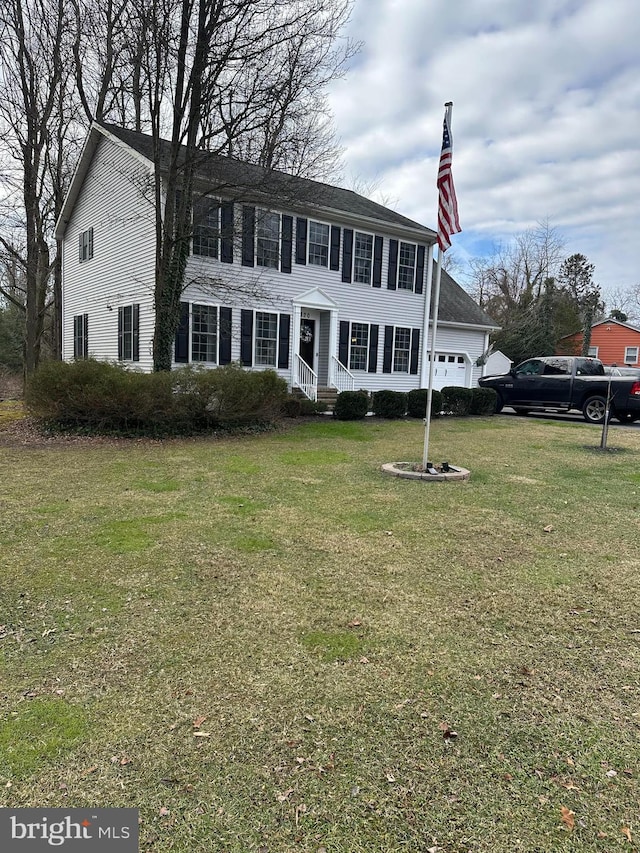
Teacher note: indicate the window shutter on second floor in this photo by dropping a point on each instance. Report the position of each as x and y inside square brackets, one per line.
[301, 241]
[377, 261]
[248, 235]
[226, 215]
[286, 248]
[392, 274]
[334, 256]
[419, 269]
[347, 255]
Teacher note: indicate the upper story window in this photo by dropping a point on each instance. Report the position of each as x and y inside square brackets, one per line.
[593, 352]
[630, 355]
[362, 257]
[406, 266]
[206, 227]
[85, 245]
[267, 239]
[319, 244]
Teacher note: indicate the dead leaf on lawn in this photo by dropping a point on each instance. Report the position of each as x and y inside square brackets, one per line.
[164, 811]
[284, 796]
[202, 734]
[548, 528]
[355, 623]
[568, 818]
[627, 833]
[198, 722]
[447, 732]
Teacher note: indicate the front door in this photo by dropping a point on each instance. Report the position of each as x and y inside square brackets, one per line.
[308, 341]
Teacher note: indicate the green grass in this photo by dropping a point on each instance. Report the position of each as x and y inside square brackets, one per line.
[329, 623]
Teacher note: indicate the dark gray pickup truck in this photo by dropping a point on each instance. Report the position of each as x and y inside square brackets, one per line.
[565, 383]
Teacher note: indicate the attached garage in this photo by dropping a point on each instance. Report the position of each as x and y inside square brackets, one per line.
[451, 369]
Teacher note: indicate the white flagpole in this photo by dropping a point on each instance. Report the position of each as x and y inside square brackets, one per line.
[434, 329]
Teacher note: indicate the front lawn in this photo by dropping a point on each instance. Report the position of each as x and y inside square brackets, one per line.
[264, 644]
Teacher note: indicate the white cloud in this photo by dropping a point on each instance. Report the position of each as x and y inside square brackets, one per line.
[546, 117]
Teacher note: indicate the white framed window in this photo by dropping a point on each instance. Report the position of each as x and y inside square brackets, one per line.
[318, 244]
[266, 339]
[268, 239]
[359, 346]
[205, 240]
[81, 336]
[407, 266]
[593, 352]
[631, 355]
[362, 257]
[204, 333]
[401, 349]
[129, 333]
[85, 246]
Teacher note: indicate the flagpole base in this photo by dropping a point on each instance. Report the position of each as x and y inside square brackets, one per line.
[406, 471]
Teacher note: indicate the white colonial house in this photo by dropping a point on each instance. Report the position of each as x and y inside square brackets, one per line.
[319, 283]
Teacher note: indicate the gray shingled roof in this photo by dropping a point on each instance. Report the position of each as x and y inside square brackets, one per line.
[225, 172]
[456, 306]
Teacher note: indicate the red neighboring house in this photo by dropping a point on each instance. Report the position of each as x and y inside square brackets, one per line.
[612, 341]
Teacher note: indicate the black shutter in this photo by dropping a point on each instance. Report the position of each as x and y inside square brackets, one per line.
[415, 346]
[85, 336]
[343, 343]
[388, 349]
[224, 352]
[80, 247]
[90, 243]
[135, 325]
[301, 241]
[246, 338]
[287, 243]
[248, 232]
[334, 257]
[283, 340]
[419, 269]
[347, 253]
[373, 348]
[181, 345]
[392, 275]
[377, 261]
[120, 334]
[226, 217]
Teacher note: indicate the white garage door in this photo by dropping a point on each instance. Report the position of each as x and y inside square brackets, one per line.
[449, 369]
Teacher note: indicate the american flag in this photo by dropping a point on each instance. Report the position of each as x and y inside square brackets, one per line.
[448, 222]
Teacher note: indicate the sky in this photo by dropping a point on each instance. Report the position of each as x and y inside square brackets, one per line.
[545, 121]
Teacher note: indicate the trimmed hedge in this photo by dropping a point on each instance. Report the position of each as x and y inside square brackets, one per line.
[483, 401]
[456, 400]
[351, 405]
[390, 404]
[102, 397]
[417, 403]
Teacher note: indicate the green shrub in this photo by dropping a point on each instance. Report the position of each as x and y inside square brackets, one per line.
[98, 396]
[417, 403]
[483, 401]
[456, 400]
[351, 405]
[390, 404]
[302, 407]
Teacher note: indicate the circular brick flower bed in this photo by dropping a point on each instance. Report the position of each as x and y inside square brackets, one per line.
[409, 471]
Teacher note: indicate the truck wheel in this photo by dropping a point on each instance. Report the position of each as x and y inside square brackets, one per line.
[520, 411]
[594, 409]
[499, 404]
[626, 417]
